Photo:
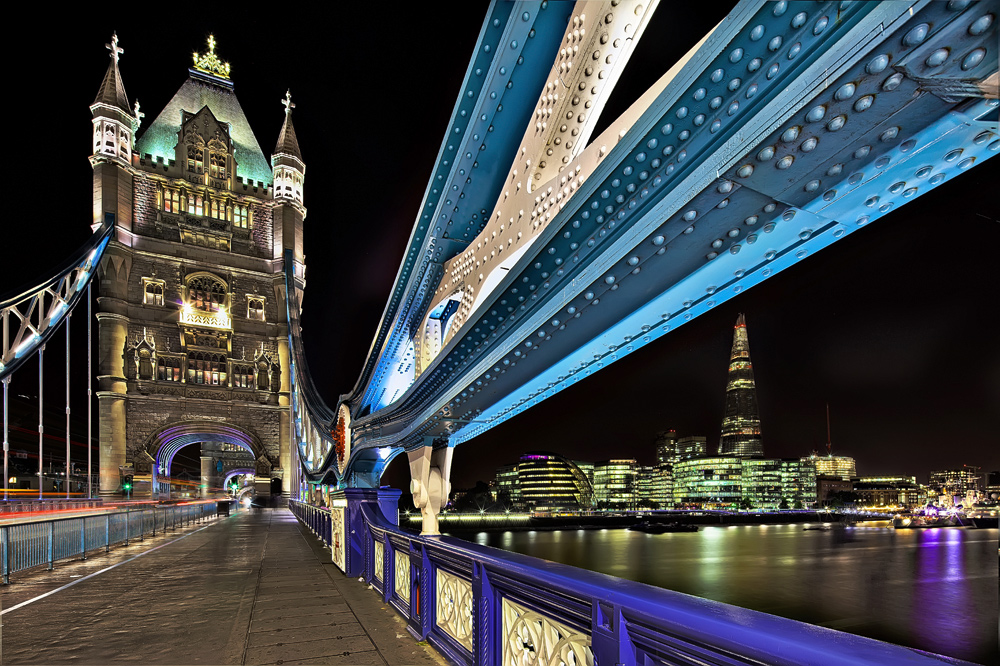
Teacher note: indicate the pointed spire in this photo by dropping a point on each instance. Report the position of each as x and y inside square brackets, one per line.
[288, 144]
[741, 426]
[112, 92]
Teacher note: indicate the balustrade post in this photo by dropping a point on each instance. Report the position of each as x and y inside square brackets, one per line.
[83, 538]
[609, 638]
[52, 539]
[485, 623]
[426, 594]
[107, 532]
[154, 521]
[128, 515]
[6, 554]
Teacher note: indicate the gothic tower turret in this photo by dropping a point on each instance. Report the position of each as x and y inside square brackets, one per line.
[114, 132]
[289, 173]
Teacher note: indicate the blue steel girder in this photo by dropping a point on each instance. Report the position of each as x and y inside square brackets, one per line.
[28, 319]
[825, 121]
[496, 99]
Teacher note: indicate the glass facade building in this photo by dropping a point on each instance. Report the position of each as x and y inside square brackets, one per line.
[841, 467]
[615, 484]
[550, 482]
[708, 483]
[741, 424]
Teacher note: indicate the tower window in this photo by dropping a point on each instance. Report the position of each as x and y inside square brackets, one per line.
[195, 205]
[168, 369]
[206, 293]
[171, 201]
[196, 159]
[242, 376]
[255, 308]
[218, 165]
[206, 368]
[152, 291]
[241, 216]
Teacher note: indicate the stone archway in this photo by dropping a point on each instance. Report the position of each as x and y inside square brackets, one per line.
[161, 446]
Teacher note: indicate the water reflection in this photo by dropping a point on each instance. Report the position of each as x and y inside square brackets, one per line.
[931, 589]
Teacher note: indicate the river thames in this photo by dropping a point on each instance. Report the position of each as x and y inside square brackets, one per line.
[931, 589]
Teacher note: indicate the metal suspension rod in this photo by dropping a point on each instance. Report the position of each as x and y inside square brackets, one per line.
[41, 418]
[6, 444]
[68, 315]
[90, 383]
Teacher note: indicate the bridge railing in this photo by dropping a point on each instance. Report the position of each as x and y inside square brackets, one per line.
[36, 543]
[479, 605]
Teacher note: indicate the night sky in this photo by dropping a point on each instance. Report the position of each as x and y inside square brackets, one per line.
[894, 326]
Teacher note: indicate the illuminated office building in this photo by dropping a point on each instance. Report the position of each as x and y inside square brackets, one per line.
[955, 482]
[841, 467]
[741, 424]
[666, 446]
[550, 482]
[507, 485]
[708, 483]
[889, 492]
[687, 448]
[615, 484]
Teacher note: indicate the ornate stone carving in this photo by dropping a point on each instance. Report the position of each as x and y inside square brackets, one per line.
[530, 638]
[454, 607]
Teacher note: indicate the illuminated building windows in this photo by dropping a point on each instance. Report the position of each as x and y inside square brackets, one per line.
[172, 201]
[206, 293]
[255, 308]
[241, 216]
[242, 376]
[152, 291]
[206, 368]
[217, 168]
[196, 205]
[195, 159]
[168, 369]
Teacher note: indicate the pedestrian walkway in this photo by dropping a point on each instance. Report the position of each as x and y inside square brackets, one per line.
[254, 588]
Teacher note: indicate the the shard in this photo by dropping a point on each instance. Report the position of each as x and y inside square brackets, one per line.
[741, 424]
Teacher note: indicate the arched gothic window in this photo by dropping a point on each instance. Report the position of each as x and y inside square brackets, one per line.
[206, 293]
[206, 368]
[196, 158]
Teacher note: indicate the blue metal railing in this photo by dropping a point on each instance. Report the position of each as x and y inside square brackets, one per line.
[27, 545]
[482, 606]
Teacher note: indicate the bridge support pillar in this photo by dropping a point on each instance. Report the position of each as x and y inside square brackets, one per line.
[206, 475]
[430, 483]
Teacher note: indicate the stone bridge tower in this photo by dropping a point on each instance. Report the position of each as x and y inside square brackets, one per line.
[191, 297]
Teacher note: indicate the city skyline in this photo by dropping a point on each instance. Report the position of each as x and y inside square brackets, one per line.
[886, 326]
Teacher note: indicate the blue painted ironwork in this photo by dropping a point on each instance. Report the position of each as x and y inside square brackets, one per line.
[791, 126]
[30, 317]
[603, 619]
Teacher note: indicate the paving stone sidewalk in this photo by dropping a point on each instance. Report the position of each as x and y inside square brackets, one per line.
[254, 588]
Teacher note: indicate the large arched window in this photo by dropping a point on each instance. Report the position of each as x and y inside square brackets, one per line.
[206, 293]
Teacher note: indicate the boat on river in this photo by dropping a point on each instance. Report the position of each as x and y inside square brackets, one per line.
[918, 521]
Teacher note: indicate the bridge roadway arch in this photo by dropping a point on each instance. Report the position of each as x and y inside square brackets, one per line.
[747, 157]
[163, 445]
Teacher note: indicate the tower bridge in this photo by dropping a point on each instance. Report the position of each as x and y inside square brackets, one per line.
[549, 244]
[542, 253]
